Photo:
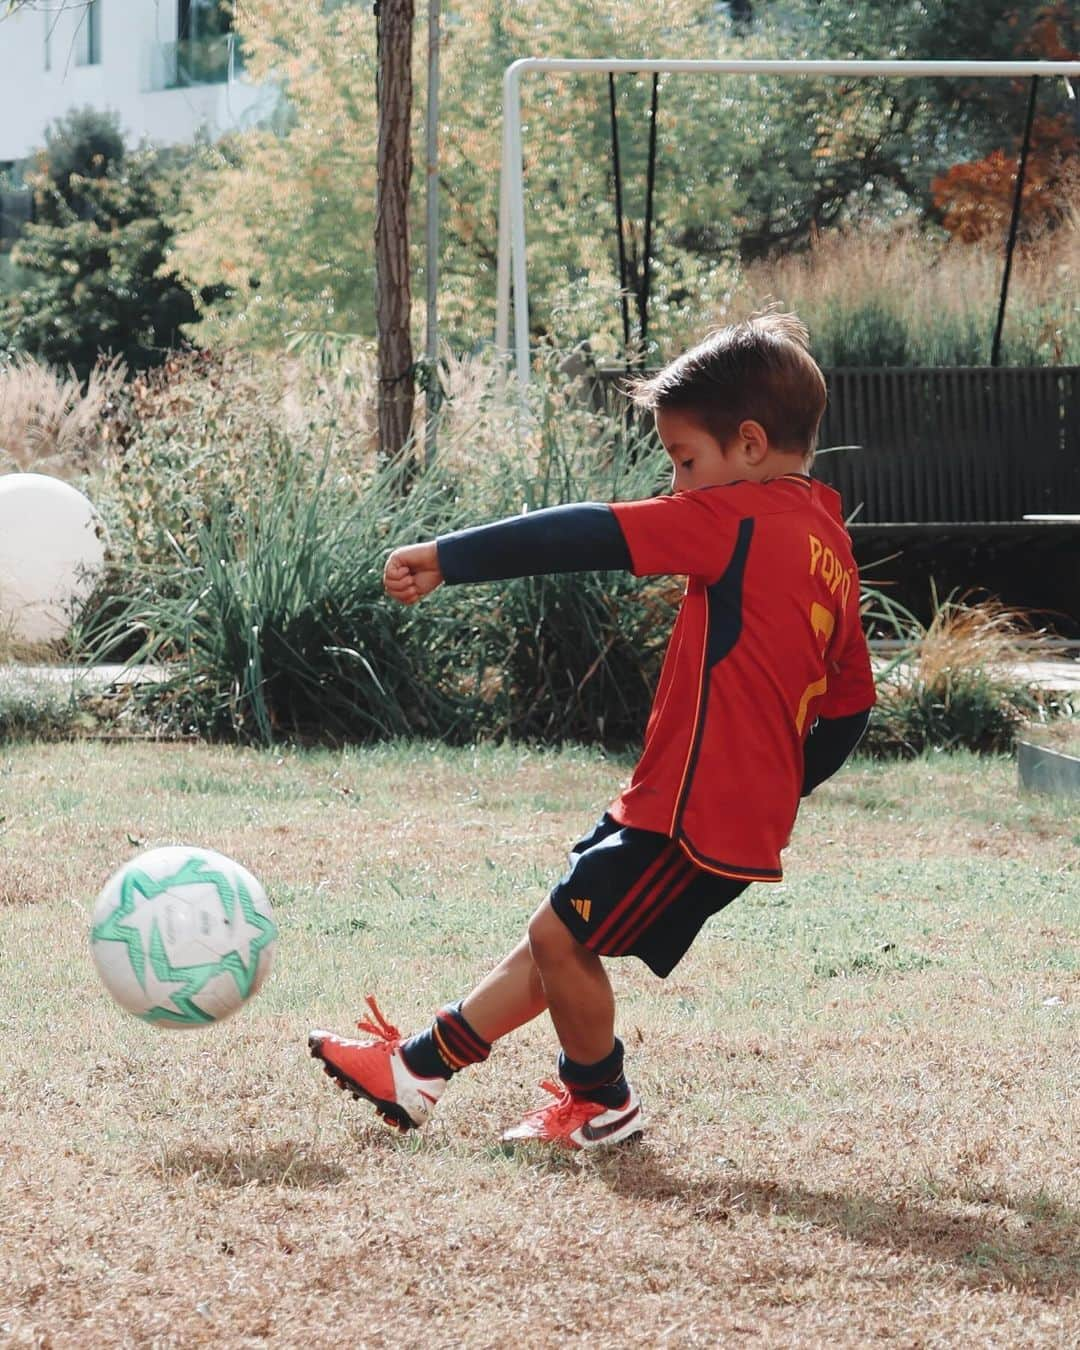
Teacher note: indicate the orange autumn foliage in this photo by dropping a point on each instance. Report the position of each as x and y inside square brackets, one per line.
[976, 197]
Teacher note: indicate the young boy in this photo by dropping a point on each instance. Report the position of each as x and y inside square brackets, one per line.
[765, 690]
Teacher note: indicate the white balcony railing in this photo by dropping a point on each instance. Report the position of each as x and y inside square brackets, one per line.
[193, 61]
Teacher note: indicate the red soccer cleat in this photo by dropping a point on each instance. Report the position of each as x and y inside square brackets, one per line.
[575, 1122]
[376, 1069]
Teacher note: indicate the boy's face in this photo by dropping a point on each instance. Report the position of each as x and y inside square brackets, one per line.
[698, 459]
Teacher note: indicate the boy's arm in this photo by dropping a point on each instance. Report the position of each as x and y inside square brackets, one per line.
[660, 535]
[829, 744]
[581, 537]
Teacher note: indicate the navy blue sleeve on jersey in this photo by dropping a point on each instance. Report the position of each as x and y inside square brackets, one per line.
[582, 537]
[828, 746]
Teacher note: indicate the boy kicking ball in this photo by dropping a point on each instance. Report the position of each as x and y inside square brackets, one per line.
[764, 692]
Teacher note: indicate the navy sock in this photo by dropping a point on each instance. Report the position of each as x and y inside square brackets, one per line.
[448, 1045]
[603, 1082]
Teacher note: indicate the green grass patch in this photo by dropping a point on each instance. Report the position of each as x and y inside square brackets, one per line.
[860, 1084]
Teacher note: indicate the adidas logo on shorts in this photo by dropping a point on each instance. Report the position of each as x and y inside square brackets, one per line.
[583, 907]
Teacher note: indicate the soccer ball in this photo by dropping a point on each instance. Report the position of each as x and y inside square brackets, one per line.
[182, 936]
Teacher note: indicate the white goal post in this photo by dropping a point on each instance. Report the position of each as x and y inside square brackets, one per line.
[511, 273]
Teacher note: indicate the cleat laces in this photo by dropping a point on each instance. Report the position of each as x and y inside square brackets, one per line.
[561, 1111]
[381, 1029]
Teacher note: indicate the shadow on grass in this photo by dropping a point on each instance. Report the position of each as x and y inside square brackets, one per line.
[285, 1164]
[1043, 1257]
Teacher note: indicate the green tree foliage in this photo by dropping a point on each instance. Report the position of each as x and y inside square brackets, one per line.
[747, 168]
[79, 147]
[282, 218]
[93, 259]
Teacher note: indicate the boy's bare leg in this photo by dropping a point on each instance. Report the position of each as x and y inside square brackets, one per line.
[579, 994]
[549, 969]
[507, 997]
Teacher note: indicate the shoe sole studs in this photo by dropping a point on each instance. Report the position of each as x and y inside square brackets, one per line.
[605, 1146]
[390, 1112]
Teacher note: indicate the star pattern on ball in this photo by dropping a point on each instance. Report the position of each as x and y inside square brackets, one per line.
[135, 922]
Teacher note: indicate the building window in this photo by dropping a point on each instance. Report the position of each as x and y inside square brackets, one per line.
[205, 51]
[88, 35]
[200, 20]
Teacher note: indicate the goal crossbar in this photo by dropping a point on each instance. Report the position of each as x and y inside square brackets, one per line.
[512, 276]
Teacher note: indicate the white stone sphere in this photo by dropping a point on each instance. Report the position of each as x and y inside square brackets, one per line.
[51, 553]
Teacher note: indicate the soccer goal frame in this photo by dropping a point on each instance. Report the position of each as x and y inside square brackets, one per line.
[512, 285]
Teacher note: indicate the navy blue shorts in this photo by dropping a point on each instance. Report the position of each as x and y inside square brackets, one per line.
[635, 893]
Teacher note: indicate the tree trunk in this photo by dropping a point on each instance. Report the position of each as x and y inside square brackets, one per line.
[394, 173]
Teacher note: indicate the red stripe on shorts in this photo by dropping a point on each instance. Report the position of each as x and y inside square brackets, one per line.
[646, 915]
[653, 879]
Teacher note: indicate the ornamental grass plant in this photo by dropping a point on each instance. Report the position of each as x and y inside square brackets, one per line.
[271, 624]
[254, 576]
[902, 297]
[954, 686]
[50, 422]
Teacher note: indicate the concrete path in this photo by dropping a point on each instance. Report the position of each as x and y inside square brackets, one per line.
[83, 679]
[1060, 675]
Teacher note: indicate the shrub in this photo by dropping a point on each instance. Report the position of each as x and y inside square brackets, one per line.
[261, 590]
[96, 253]
[952, 688]
[208, 424]
[250, 520]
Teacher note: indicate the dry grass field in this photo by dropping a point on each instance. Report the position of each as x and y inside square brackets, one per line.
[862, 1085]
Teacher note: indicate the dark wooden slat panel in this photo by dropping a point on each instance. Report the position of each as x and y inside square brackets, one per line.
[949, 444]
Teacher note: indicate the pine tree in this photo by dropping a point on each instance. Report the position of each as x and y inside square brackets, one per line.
[95, 253]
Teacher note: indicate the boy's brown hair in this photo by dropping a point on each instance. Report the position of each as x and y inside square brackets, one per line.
[760, 369]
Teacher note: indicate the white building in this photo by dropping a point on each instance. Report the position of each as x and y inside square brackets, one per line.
[169, 68]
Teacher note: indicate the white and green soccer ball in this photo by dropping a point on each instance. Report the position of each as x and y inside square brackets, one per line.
[182, 936]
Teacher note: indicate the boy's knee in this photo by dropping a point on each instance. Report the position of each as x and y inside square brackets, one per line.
[549, 938]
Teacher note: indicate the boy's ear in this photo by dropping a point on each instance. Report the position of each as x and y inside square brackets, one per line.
[754, 441]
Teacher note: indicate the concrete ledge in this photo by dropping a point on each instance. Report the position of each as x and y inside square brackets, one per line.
[78, 679]
[1044, 770]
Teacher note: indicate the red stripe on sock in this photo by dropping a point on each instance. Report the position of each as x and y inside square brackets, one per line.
[453, 1060]
[453, 1024]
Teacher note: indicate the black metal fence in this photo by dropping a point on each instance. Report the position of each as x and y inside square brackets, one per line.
[954, 444]
[949, 444]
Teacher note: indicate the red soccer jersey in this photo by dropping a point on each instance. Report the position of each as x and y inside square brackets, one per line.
[768, 637]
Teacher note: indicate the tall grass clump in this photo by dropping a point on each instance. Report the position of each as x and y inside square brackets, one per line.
[274, 625]
[50, 422]
[255, 579]
[902, 297]
[954, 687]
